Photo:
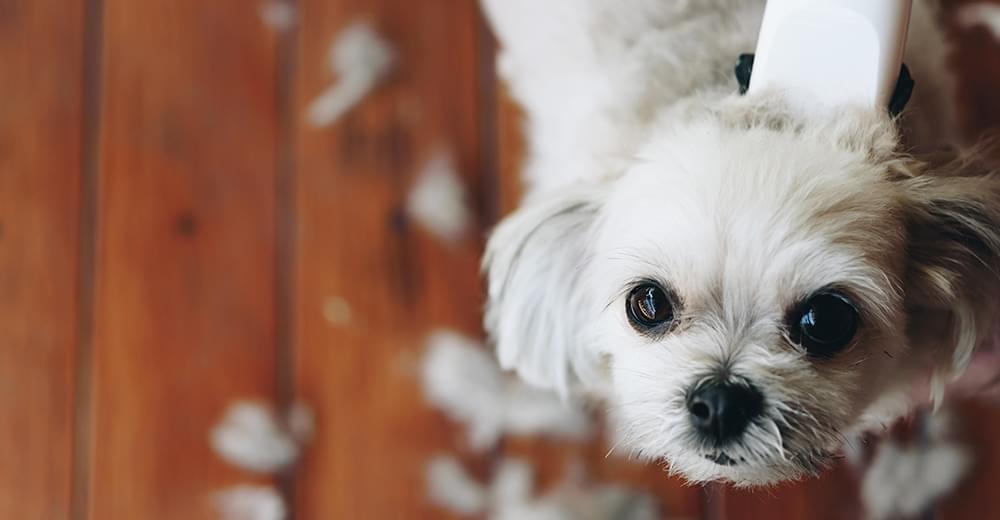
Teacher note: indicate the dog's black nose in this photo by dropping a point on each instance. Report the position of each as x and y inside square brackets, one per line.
[721, 411]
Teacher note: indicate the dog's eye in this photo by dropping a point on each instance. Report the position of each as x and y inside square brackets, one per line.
[648, 306]
[825, 324]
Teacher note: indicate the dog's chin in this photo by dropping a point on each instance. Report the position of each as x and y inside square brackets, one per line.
[720, 466]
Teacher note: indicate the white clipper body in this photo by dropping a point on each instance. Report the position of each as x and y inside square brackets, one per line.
[831, 52]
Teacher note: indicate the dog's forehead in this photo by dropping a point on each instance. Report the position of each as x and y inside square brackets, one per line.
[759, 226]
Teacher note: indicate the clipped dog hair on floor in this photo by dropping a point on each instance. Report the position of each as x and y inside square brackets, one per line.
[461, 379]
[249, 502]
[360, 58]
[510, 495]
[253, 437]
[906, 480]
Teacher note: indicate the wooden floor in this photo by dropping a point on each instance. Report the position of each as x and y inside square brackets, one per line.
[171, 231]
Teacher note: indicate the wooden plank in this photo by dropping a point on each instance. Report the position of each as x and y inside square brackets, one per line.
[40, 167]
[357, 250]
[185, 288]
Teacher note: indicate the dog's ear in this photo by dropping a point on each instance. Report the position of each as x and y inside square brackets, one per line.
[536, 309]
[952, 207]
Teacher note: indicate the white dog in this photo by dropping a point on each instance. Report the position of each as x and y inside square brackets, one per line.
[745, 285]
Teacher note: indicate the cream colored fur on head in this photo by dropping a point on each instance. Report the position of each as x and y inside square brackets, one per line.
[646, 164]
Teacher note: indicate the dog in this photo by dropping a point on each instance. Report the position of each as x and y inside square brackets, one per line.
[745, 285]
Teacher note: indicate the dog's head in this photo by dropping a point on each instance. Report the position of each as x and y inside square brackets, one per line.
[752, 287]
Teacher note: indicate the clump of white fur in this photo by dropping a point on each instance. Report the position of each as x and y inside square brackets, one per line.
[250, 503]
[278, 15]
[252, 437]
[462, 379]
[905, 481]
[438, 199]
[511, 496]
[982, 13]
[300, 422]
[450, 487]
[361, 59]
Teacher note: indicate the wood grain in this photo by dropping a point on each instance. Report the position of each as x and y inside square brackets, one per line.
[358, 251]
[40, 168]
[185, 288]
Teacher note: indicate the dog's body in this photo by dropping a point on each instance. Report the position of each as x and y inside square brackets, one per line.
[677, 239]
[594, 74]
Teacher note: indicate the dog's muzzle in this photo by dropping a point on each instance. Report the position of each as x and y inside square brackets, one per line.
[721, 411]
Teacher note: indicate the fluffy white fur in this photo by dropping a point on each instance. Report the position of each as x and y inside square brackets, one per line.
[645, 163]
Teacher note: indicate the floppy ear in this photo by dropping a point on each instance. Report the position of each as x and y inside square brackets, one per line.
[954, 244]
[536, 313]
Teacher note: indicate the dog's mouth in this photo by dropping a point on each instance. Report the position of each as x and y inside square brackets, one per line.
[811, 463]
[745, 462]
[722, 459]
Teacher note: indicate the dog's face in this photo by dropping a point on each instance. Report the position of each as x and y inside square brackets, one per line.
[756, 279]
[747, 291]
